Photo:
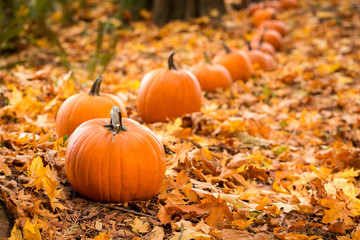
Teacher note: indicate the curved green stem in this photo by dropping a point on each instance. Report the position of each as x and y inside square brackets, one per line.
[116, 124]
[207, 59]
[226, 47]
[171, 61]
[95, 88]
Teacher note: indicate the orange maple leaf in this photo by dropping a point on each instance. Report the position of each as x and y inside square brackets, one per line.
[218, 208]
[337, 210]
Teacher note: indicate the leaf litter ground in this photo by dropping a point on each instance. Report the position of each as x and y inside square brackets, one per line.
[276, 157]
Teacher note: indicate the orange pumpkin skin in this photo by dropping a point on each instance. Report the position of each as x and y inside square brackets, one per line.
[236, 62]
[265, 61]
[271, 36]
[211, 76]
[264, 47]
[263, 14]
[253, 7]
[286, 4]
[82, 107]
[129, 165]
[275, 25]
[168, 93]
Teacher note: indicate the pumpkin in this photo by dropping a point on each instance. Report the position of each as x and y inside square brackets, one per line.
[265, 61]
[275, 25]
[262, 15]
[82, 107]
[253, 7]
[263, 46]
[286, 4]
[211, 76]
[236, 62]
[116, 162]
[168, 93]
[270, 36]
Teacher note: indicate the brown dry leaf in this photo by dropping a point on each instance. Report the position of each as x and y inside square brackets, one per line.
[188, 232]
[156, 234]
[4, 168]
[139, 226]
[218, 208]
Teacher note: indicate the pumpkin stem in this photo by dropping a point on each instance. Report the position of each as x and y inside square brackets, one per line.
[262, 37]
[116, 124]
[171, 61]
[273, 16]
[207, 59]
[95, 88]
[226, 47]
[248, 44]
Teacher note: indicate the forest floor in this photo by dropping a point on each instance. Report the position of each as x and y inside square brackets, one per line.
[275, 157]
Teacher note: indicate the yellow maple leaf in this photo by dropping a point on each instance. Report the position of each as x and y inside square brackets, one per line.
[31, 230]
[139, 226]
[16, 233]
[44, 178]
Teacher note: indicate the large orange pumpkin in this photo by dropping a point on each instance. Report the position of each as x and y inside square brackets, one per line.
[211, 76]
[236, 62]
[168, 93]
[116, 162]
[82, 107]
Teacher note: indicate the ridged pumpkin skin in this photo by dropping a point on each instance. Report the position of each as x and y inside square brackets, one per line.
[266, 62]
[211, 76]
[263, 14]
[129, 165]
[286, 4]
[168, 93]
[236, 62]
[275, 25]
[253, 7]
[82, 107]
[264, 47]
[271, 36]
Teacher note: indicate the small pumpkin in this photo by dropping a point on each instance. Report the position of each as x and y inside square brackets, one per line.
[275, 25]
[270, 36]
[263, 46]
[236, 62]
[263, 14]
[265, 61]
[253, 7]
[116, 162]
[82, 107]
[287, 4]
[211, 76]
[168, 93]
